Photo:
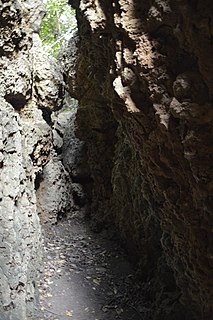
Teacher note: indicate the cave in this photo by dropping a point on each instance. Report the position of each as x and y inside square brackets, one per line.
[106, 140]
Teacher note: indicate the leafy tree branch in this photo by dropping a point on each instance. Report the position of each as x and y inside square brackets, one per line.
[57, 24]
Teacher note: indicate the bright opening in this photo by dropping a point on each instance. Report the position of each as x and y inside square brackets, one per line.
[57, 25]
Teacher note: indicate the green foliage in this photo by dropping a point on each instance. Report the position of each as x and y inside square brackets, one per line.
[58, 21]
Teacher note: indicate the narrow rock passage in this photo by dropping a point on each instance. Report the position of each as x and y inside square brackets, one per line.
[87, 276]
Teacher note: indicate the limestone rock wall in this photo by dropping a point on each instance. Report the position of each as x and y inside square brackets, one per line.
[53, 183]
[30, 89]
[143, 78]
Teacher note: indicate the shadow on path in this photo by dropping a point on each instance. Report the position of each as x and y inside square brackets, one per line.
[87, 276]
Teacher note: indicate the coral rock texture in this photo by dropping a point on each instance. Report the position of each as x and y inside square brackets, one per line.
[144, 83]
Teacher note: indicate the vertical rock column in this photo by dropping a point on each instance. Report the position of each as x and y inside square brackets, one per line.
[53, 184]
[26, 101]
[19, 229]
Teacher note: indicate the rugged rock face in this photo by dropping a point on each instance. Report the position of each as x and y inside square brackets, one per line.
[30, 88]
[144, 83]
[74, 151]
[53, 183]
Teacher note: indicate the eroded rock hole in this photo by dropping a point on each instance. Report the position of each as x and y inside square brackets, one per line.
[39, 178]
[17, 100]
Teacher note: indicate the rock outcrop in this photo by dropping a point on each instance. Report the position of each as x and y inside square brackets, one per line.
[53, 183]
[143, 78]
[30, 89]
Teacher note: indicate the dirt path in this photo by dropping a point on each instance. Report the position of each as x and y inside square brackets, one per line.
[87, 276]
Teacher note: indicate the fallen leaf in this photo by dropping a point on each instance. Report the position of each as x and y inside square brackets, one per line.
[69, 313]
[96, 281]
[104, 309]
[119, 311]
[49, 295]
[115, 290]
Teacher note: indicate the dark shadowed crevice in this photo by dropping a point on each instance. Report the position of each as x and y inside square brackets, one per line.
[46, 114]
[39, 178]
[17, 100]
